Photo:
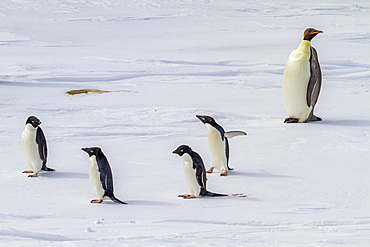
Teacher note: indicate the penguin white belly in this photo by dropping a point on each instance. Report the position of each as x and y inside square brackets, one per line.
[217, 149]
[95, 178]
[30, 150]
[190, 175]
[295, 82]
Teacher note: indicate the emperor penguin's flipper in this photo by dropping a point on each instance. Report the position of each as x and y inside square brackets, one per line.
[231, 134]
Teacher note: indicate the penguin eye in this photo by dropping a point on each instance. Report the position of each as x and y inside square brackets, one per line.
[182, 150]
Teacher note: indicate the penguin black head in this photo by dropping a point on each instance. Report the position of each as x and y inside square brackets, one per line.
[310, 33]
[92, 151]
[34, 121]
[206, 119]
[182, 150]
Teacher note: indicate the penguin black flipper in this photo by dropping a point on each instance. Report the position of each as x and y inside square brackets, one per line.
[106, 177]
[314, 84]
[221, 130]
[227, 152]
[200, 171]
[43, 149]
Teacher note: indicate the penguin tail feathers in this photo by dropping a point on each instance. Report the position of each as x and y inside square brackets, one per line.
[231, 134]
[48, 169]
[116, 200]
[211, 194]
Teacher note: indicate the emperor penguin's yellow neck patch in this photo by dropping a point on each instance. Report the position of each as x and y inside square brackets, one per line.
[304, 47]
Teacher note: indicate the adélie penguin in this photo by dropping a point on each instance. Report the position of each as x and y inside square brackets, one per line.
[218, 144]
[302, 81]
[34, 147]
[100, 174]
[195, 174]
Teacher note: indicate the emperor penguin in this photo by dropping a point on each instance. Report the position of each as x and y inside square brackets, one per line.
[34, 147]
[100, 174]
[195, 173]
[302, 81]
[218, 144]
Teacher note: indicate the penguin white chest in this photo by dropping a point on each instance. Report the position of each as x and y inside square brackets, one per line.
[94, 175]
[190, 175]
[217, 148]
[30, 149]
[295, 82]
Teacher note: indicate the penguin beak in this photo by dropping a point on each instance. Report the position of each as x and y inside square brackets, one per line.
[200, 118]
[317, 32]
[176, 152]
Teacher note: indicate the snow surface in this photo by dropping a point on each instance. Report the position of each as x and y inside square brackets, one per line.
[307, 184]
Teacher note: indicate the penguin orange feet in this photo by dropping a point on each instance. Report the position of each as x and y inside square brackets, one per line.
[224, 173]
[210, 170]
[187, 196]
[28, 171]
[33, 175]
[291, 120]
[96, 201]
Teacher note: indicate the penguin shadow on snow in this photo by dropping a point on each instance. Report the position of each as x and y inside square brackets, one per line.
[261, 174]
[58, 174]
[347, 122]
[149, 203]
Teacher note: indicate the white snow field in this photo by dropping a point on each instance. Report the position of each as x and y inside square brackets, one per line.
[306, 184]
